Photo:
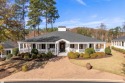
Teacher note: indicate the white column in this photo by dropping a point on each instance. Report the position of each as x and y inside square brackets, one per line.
[23, 47]
[104, 46]
[94, 46]
[46, 48]
[19, 46]
[88, 45]
[78, 47]
[36, 46]
[55, 49]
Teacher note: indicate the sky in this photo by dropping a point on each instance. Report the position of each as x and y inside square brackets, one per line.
[90, 13]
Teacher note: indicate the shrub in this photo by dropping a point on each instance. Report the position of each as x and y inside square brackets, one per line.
[33, 56]
[34, 51]
[9, 56]
[26, 57]
[89, 51]
[77, 54]
[108, 50]
[39, 55]
[81, 55]
[100, 54]
[49, 54]
[24, 68]
[44, 56]
[72, 55]
[86, 56]
[119, 50]
[15, 51]
[94, 55]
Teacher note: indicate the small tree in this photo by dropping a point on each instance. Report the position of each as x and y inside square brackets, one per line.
[15, 51]
[108, 50]
[89, 51]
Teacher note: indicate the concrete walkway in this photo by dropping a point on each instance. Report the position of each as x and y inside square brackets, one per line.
[63, 69]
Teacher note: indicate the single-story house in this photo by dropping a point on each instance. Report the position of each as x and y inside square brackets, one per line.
[7, 48]
[119, 42]
[61, 42]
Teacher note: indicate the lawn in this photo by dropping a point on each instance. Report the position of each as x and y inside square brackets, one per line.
[113, 64]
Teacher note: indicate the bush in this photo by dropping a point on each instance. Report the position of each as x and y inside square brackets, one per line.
[100, 54]
[15, 51]
[86, 56]
[72, 55]
[77, 54]
[81, 55]
[39, 55]
[108, 50]
[34, 51]
[24, 68]
[94, 55]
[26, 57]
[89, 51]
[9, 56]
[33, 56]
[49, 54]
[118, 49]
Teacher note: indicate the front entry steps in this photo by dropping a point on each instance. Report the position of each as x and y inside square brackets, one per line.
[62, 54]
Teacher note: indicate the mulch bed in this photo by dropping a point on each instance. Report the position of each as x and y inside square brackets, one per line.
[4, 73]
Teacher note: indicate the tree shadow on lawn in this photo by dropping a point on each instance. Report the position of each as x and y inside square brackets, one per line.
[13, 66]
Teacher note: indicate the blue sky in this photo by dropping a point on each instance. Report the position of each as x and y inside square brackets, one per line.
[90, 13]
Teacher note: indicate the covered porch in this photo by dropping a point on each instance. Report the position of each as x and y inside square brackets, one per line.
[60, 46]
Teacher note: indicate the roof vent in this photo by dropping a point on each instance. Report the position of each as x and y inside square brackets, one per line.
[62, 28]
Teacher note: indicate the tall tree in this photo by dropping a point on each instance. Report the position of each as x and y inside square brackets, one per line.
[21, 10]
[50, 12]
[35, 12]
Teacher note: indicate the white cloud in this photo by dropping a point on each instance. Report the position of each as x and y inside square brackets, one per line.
[81, 2]
[109, 22]
[94, 16]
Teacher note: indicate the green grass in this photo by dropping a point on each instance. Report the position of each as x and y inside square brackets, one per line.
[113, 64]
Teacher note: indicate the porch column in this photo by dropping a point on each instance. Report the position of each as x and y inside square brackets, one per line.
[19, 46]
[95, 47]
[23, 47]
[88, 45]
[36, 46]
[78, 47]
[104, 46]
[55, 49]
[46, 48]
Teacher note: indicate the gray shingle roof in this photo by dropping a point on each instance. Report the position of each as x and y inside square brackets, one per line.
[119, 39]
[9, 44]
[67, 35]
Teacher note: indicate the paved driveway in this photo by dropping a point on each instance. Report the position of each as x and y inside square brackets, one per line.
[63, 69]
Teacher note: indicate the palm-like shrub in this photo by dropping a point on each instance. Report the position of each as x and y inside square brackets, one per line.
[15, 51]
[108, 50]
[89, 51]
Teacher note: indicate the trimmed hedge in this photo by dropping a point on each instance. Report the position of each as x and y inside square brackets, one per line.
[72, 55]
[89, 51]
[118, 49]
[86, 56]
[108, 50]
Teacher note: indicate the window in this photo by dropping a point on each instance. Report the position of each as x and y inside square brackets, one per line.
[21, 45]
[52, 45]
[42, 46]
[8, 52]
[72, 46]
[122, 43]
[80, 46]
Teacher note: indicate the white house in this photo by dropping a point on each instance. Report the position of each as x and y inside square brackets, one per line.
[119, 42]
[8, 46]
[61, 42]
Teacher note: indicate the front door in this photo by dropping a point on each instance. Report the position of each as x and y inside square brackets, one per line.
[62, 46]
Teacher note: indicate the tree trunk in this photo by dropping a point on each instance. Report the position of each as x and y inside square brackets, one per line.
[46, 22]
[52, 25]
[38, 31]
